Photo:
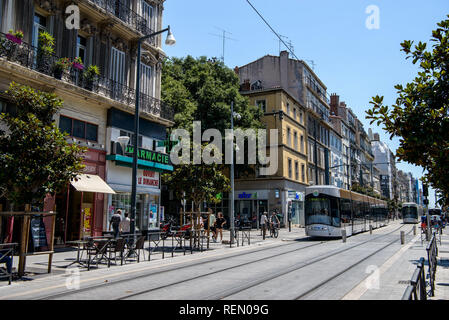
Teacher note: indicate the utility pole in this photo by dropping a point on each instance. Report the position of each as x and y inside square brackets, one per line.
[231, 222]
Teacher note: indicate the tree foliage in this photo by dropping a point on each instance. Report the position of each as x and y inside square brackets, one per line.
[35, 158]
[198, 183]
[202, 90]
[420, 115]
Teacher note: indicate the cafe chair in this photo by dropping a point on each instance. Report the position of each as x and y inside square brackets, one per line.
[138, 247]
[118, 247]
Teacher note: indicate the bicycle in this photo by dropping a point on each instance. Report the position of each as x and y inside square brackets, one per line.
[274, 230]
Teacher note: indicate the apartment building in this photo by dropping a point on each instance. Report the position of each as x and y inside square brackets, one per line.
[95, 112]
[257, 193]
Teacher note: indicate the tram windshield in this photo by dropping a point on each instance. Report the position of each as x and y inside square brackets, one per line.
[410, 212]
[322, 210]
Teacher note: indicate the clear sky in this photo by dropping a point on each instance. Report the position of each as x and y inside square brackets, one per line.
[352, 60]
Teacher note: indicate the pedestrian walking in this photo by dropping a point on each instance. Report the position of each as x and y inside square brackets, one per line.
[115, 222]
[212, 220]
[263, 224]
[125, 224]
[219, 223]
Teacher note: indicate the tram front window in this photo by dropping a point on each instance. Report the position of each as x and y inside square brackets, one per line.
[321, 210]
[410, 212]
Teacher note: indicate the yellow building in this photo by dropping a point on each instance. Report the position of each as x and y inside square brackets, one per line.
[255, 193]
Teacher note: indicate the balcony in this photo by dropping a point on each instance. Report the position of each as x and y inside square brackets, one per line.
[120, 10]
[26, 56]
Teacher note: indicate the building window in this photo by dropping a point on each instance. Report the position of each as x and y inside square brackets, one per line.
[117, 69]
[295, 140]
[288, 137]
[40, 24]
[81, 48]
[146, 79]
[262, 105]
[290, 168]
[302, 144]
[300, 117]
[79, 129]
[303, 178]
[149, 14]
[296, 171]
[288, 108]
[294, 113]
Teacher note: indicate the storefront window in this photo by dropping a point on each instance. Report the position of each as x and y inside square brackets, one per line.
[147, 209]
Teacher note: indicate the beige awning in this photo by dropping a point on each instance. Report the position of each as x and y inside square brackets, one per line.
[91, 183]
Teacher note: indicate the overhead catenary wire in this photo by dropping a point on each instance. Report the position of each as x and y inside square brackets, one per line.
[274, 31]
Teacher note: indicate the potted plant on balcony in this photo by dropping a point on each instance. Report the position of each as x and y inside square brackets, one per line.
[78, 64]
[15, 36]
[45, 51]
[90, 76]
[61, 67]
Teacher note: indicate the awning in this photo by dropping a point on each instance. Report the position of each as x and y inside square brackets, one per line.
[91, 183]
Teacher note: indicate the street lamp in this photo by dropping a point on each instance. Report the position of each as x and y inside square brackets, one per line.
[231, 218]
[169, 41]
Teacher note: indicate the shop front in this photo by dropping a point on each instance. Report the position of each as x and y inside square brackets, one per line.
[80, 209]
[149, 213]
[296, 202]
[250, 204]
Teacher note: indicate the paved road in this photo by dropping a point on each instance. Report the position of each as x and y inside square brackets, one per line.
[301, 268]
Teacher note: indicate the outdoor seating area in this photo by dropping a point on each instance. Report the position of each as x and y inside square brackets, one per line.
[107, 250]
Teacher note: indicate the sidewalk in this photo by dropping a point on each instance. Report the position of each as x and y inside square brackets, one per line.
[36, 266]
[442, 274]
[395, 273]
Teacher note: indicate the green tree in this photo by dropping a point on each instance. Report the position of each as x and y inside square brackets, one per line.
[420, 116]
[35, 158]
[198, 183]
[202, 90]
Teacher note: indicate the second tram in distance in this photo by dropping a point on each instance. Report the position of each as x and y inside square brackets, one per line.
[329, 210]
[411, 212]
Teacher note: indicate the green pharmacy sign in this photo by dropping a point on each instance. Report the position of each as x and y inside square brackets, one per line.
[148, 155]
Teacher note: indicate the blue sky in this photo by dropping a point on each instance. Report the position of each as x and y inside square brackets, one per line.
[352, 61]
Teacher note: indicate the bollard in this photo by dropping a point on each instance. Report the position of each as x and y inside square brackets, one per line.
[343, 235]
[414, 230]
[370, 229]
[402, 237]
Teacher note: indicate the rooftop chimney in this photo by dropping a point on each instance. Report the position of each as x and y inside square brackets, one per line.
[335, 99]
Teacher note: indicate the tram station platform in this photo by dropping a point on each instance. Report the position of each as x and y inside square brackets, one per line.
[394, 275]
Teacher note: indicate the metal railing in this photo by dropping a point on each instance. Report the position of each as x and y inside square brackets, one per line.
[123, 11]
[29, 57]
[417, 288]
[432, 253]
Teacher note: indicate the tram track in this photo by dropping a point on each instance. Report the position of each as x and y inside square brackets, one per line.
[296, 267]
[181, 267]
[259, 281]
[324, 282]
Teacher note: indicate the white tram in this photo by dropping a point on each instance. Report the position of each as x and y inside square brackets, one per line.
[329, 210]
[411, 212]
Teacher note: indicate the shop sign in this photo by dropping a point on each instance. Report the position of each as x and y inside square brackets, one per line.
[245, 195]
[149, 178]
[148, 155]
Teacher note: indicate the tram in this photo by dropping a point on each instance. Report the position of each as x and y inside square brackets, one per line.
[411, 212]
[329, 210]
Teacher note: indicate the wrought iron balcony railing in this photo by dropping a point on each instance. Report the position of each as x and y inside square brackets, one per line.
[30, 57]
[122, 11]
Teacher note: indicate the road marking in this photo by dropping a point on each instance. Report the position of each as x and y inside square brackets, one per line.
[358, 291]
